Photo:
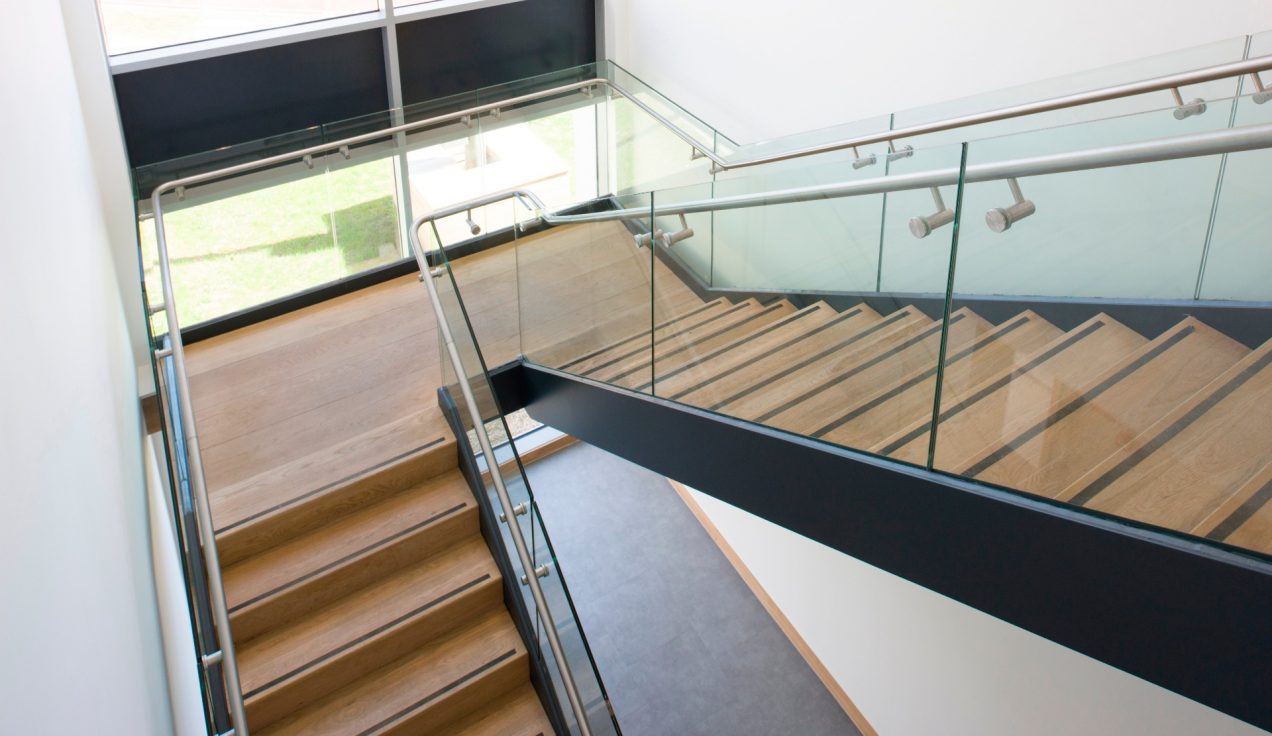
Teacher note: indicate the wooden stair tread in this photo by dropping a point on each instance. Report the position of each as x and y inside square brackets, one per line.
[257, 527]
[678, 350]
[813, 370]
[317, 655]
[1060, 368]
[366, 528]
[423, 690]
[638, 342]
[620, 365]
[871, 419]
[1044, 457]
[1183, 467]
[881, 371]
[712, 363]
[1245, 519]
[274, 655]
[518, 713]
[851, 329]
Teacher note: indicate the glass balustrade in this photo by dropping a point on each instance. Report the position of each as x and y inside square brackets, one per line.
[559, 620]
[1096, 336]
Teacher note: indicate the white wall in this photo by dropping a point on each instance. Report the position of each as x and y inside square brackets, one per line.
[918, 663]
[80, 648]
[759, 69]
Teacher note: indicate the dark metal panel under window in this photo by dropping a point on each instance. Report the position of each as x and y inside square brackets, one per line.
[460, 52]
[199, 105]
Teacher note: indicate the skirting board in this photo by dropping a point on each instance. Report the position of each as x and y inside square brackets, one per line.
[779, 618]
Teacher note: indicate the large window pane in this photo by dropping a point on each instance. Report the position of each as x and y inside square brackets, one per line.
[240, 251]
[138, 25]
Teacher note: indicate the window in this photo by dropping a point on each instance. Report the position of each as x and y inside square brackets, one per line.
[141, 25]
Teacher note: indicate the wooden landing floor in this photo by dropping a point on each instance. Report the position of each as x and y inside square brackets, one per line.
[314, 396]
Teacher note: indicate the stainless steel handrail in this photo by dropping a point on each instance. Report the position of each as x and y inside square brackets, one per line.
[531, 578]
[1230, 140]
[198, 487]
[719, 163]
[1104, 94]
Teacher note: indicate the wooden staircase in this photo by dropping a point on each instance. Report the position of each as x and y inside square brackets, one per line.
[1174, 431]
[362, 596]
[374, 606]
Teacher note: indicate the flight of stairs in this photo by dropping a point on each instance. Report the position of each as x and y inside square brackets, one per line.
[373, 606]
[1174, 431]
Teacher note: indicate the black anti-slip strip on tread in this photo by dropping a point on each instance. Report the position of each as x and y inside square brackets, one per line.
[333, 484]
[1168, 433]
[375, 632]
[645, 348]
[380, 544]
[740, 341]
[892, 319]
[1077, 403]
[611, 346]
[645, 364]
[1068, 342]
[1242, 514]
[906, 386]
[836, 380]
[439, 693]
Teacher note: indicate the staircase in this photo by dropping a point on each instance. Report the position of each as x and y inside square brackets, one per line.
[1167, 430]
[374, 606]
[362, 596]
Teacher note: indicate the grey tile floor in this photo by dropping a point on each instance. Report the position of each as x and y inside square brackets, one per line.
[682, 644]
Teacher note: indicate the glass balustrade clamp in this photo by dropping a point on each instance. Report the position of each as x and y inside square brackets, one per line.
[1000, 219]
[1260, 95]
[1186, 110]
[860, 162]
[922, 226]
[895, 153]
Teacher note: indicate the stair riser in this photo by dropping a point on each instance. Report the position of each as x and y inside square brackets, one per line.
[341, 580]
[307, 514]
[376, 651]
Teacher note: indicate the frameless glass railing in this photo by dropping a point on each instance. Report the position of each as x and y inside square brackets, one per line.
[1081, 313]
[557, 641]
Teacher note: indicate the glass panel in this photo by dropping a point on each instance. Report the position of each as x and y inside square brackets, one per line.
[1118, 393]
[133, 25]
[585, 297]
[248, 245]
[1131, 232]
[1182, 60]
[1239, 261]
[560, 607]
[802, 342]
